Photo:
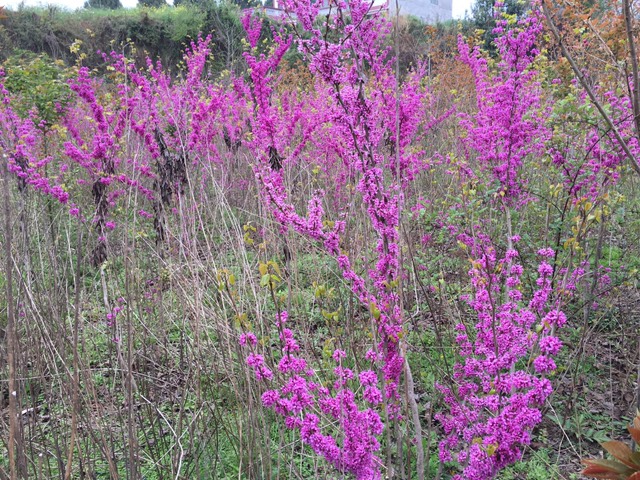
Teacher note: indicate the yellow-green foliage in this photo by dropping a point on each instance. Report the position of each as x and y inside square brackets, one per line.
[39, 83]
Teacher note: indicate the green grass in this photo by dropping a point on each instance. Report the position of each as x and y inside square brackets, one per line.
[539, 466]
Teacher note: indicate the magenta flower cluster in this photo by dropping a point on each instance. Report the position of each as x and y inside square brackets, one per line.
[494, 402]
[597, 166]
[510, 123]
[329, 419]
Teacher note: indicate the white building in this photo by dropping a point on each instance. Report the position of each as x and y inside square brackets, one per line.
[430, 11]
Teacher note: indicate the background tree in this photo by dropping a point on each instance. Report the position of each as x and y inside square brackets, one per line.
[106, 4]
[177, 3]
[226, 29]
[5, 42]
[152, 3]
[484, 17]
[246, 3]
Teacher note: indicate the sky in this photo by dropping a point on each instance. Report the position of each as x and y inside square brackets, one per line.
[459, 6]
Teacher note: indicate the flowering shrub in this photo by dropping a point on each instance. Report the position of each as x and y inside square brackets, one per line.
[334, 160]
[362, 115]
[495, 402]
[510, 122]
[352, 448]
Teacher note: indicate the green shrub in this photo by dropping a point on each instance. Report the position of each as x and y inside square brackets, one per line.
[40, 84]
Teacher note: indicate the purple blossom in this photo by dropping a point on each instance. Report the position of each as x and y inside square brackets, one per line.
[338, 355]
[550, 345]
[248, 338]
[544, 364]
[368, 378]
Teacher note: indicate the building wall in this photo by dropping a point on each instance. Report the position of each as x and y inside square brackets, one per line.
[428, 10]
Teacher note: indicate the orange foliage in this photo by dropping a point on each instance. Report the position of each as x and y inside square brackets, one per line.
[596, 38]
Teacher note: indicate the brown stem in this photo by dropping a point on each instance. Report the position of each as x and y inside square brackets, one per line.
[634, 65]
[11, 332]
[76, 363]
[130, 383]
[415, 418]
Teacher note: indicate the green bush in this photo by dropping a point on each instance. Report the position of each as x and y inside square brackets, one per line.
[39, 83]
